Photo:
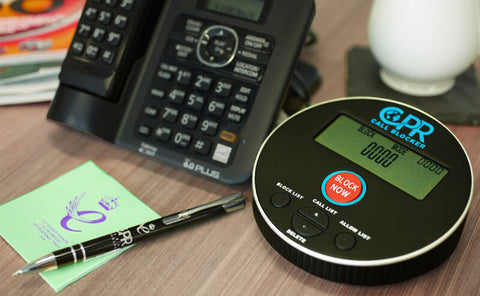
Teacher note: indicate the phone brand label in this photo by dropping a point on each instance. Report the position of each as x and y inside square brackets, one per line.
[405, 126]
[198, 168]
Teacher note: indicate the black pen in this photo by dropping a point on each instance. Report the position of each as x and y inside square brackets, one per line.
[135, 234]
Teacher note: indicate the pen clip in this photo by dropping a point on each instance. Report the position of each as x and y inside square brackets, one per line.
[229, 204]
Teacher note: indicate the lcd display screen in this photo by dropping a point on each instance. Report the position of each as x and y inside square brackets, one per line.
[398, 165]
[245, 9]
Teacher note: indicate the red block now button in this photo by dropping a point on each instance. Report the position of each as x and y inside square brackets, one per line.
[343, 188]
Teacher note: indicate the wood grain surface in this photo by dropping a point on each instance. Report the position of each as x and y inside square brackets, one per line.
[219, 257]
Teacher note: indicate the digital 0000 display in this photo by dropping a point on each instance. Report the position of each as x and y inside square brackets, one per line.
[390, 161]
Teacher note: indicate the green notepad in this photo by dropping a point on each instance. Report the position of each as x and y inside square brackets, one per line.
[82, 204]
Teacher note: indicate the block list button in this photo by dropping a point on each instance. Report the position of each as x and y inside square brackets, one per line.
[280, 199]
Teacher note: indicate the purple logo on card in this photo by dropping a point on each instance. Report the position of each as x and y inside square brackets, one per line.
[90, 217]
[109, 203]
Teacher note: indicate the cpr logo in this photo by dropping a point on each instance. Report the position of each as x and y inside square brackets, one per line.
[415, 126]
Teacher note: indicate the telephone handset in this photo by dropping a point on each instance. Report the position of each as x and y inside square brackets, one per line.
[196, 84]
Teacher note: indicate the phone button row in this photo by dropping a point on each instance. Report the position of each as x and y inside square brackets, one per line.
[187, 120]
[230, 49]
[185, 140]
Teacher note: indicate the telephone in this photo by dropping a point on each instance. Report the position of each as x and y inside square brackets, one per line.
[196, 84]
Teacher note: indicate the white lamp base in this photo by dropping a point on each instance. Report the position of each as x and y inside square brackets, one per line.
[416, 88]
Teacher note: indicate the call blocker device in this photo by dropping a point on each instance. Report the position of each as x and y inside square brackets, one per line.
[364, 191]
[196, 84]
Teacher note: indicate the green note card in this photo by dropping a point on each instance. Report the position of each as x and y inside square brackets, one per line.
[82, 204]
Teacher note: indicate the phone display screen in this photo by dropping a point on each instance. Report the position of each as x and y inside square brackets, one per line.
[245, 9]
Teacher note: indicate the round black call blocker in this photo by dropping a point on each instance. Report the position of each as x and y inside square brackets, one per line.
[362, 190]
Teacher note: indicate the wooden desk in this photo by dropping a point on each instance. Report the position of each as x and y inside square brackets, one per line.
[227, 256]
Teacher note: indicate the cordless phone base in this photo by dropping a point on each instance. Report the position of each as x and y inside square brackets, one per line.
[196, 84]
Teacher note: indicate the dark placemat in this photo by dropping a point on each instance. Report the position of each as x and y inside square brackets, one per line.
[461, 105]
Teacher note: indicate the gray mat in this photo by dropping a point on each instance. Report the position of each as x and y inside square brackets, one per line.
[461, 105]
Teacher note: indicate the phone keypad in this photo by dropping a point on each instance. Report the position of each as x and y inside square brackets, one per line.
[204, 88]
[102, 46]
[200, 113]
[100, 28]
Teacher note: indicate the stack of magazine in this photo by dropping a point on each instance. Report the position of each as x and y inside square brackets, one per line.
[34, 38]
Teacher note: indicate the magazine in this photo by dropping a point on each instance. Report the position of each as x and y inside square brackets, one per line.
[34, 39]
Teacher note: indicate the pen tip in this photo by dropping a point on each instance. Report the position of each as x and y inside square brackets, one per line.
[17, 273]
